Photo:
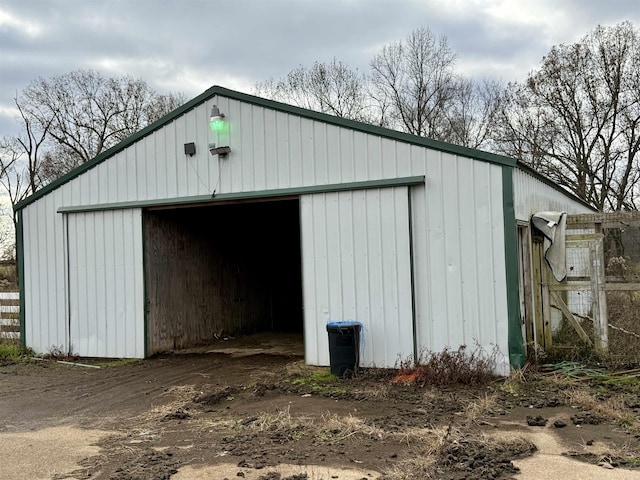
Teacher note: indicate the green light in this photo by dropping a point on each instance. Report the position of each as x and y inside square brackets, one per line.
[216, 120]
[216, 125]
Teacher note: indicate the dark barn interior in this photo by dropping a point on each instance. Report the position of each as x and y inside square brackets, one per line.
[223, 269]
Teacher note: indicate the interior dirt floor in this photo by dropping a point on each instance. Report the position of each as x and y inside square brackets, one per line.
[249, 408]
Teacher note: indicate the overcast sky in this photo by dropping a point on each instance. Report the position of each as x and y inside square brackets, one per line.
[189, 45]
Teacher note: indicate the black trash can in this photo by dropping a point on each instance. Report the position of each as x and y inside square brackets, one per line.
[344, 347]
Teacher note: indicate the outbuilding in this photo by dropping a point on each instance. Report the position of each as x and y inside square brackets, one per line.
[273, 217]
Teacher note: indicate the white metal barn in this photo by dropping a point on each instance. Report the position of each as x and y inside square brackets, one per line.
[165, 239]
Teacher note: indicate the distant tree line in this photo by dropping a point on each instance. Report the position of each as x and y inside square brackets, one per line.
[575, 119]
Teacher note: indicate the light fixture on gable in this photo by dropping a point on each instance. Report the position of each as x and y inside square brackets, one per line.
[216, 121]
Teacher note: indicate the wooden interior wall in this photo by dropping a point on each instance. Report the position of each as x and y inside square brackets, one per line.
[224, 269]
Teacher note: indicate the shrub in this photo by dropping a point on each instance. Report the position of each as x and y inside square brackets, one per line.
[13, 350]
[449, 367]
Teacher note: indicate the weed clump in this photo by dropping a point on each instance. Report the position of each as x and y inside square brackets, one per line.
[13, 350]
[449, 367]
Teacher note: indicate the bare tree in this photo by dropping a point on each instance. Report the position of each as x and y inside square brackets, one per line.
[577, 118]
[412, 87]
[87, 113]
[21, 156]
[471, 117]
[13, 170]
[332, 88]
[415, 81]
[16, 179]
[24, 152]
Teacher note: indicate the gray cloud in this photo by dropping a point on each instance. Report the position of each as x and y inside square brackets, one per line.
[189, 45]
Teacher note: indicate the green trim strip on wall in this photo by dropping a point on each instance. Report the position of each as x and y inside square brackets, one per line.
[20, 258]
[67, 280]
[259, 194]
[144, 287]
[282, 107]
[414, 319]
[517, 355]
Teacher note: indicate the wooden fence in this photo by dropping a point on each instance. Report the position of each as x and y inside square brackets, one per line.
[589, 277]
[10, 315]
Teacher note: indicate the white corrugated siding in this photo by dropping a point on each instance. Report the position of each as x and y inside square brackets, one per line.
[532, 195]
[458, 238]
[458, 231]
[44, 275]
[357, 266]
[106, 295]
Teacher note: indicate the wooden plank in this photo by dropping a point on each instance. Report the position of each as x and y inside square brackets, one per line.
[10, 335]
[537, 293]
[526, 276]
[617, 287]
[598, 295]
[9, 321]
[577, 244]
[604, 219]
[607, 287]
[9, 309]
[604, 225]
[602, 300]
[546, 304]
[570, 287]
[559, 302]
[9, 295]
[607, 279]
[579, 237]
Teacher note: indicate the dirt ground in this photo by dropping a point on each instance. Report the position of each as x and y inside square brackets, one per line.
[249, 408]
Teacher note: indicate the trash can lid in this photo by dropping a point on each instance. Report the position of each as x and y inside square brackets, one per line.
[344, 323]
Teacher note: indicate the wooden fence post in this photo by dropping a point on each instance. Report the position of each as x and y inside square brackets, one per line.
[598, 293]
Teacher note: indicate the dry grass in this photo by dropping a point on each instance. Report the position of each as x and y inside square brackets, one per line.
[614, 453]
[423, 465]
[182, 395]
[617, 455]
[432, 440]
[281, 421]
[420, 466]
[300, 369]
[344, 427]
[327, 427]
[373, 392]
[612, 408]
[437, 445]
[480, 408]
[416, 437]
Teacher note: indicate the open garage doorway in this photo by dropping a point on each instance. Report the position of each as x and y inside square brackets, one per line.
[221, 270]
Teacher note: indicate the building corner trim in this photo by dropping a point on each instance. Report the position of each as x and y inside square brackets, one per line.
[20, 261]
[517, 355]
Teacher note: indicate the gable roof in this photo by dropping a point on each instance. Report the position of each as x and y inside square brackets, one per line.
[282, 107]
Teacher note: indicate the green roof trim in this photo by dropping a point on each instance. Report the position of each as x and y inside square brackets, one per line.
[271, 104]
[526, 168]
